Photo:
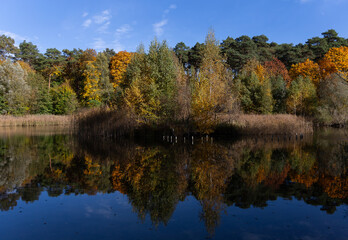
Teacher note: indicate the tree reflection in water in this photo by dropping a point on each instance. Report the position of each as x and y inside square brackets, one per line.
[156, 177]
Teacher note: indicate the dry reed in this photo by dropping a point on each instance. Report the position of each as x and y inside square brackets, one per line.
[277, 124]
[117, 123]
[103, 122]
[35, 120]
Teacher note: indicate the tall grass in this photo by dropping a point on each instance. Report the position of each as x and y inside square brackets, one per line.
[103, 122]
[35, 120]
[277, 124]
[111, 123]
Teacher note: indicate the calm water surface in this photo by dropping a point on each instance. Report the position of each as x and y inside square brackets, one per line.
[54, 186]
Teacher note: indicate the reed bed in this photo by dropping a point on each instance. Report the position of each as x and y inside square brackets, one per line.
[35, 120]
[117, 123]
[277, 124]
[103, 122]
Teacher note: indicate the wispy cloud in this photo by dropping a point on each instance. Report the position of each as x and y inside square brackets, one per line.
[158, 27]
[86, 23]
[171, 7]
[124, 29]
[99, 44]
[121, 33]
[102, 19]
[85, 14]
[16, 37]
[104, 27]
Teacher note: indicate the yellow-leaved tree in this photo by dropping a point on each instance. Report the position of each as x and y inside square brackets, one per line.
[91, 91]
[307, 69]
[335, 61]
[118, 67]
[211, 93]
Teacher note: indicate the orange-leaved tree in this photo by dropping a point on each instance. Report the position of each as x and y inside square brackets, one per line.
[306, 69]
[118, 67]
[335, 61]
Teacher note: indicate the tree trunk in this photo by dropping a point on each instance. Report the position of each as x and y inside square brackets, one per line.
[49, 81]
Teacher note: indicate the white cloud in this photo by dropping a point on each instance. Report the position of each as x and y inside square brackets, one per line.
[85, 14]
[105, 16]
[16, 37]
[121, 33]
[124, 29]
[87, 23]
[99, 44]
[171, 7]
[102, 19]
[158, 27]
[103, 27]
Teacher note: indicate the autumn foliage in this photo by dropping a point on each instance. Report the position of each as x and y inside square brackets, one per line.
[335, 61]
[118, 67]
[306, 69]
[277, 68]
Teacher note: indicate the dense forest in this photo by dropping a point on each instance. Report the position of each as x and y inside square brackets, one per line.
[163, 84]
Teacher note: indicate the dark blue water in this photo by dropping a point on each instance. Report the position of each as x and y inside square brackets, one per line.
[58, 187]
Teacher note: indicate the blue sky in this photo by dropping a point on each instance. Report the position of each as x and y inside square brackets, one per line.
[123, 25]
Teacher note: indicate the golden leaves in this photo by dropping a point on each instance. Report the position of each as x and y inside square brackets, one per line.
[306, 69]
[118, 67]
[335, 61]
[91, 85]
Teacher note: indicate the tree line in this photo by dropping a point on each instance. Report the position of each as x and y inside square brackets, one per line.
[164, 84]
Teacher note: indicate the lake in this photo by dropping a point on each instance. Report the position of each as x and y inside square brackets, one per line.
[56, 186]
